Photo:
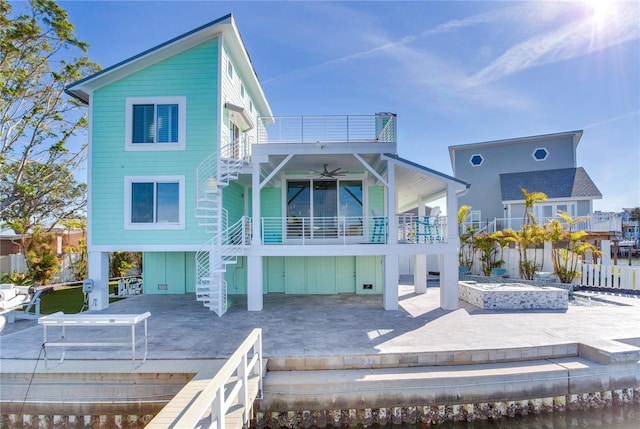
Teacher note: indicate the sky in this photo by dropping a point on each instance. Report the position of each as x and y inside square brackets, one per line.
[455, 72]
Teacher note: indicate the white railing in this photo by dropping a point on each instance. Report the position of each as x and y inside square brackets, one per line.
[352, 230]
[313, 129]
[323, 230]
[238, 235]
[595, 224]
[624, 277]
[232, 384]
[240, 148]
[422, 229]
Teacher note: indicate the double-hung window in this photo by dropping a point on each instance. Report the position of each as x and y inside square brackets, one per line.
[154, 202]
[155, 123]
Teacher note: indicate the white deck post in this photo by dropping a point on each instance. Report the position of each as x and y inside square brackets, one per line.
[390, 292]
[391, 272]
[98, 271]
[255, 203]
[448, 261]
[420, 271]
[254, 283]
[605, 247]
[449, 299]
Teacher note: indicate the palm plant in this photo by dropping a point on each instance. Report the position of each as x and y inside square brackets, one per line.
[530, 235]
[466, 252]
[565, 259]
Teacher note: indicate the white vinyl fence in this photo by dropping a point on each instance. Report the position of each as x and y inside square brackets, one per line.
[623, 277]
[16, 262]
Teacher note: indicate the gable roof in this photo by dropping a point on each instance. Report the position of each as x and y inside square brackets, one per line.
[577, 135]
[224, 27]
[560, 183]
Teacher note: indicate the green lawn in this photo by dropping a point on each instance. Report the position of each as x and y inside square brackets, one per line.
[69, 300]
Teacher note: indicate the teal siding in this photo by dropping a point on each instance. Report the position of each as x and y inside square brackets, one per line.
[233, 201]
[274, 274]
[165, 268]
[346, 274]
[192, 74]
[369, 270]
[271, 202]
[236, 277]
[271, 207]
[295, 281]
[300, 275]
[376, 199]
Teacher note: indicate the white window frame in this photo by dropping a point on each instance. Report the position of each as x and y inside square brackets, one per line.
[546, 151]
[129, 180]
[473, 156]
[181, 101]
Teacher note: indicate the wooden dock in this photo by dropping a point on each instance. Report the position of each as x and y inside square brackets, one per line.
[220, 400]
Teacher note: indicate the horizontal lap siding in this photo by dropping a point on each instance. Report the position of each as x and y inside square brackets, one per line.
[192, 74]
[233, 201]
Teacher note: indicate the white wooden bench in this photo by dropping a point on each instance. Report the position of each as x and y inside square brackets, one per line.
[81, 320]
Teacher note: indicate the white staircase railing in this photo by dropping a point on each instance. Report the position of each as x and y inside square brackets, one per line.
[213, 174]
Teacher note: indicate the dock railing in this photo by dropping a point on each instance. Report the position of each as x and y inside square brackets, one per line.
[232, 384]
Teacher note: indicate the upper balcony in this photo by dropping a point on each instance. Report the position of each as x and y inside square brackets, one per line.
[594, 223]
[380, 127]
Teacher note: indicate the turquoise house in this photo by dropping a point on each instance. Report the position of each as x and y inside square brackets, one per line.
[188, 164]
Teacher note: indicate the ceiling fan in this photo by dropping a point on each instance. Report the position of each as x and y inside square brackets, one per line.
[330, 173]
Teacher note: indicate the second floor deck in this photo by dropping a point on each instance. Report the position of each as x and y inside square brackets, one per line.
[380, 127]
[410, 229]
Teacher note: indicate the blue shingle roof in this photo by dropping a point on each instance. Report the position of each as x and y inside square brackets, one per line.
[560, 183]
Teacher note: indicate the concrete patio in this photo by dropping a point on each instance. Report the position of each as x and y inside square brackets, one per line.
[338, 325]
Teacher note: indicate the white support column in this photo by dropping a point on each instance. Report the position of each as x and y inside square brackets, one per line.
[547, 257]
[391, 204]
[254, 283]
[448, 262]
[453, 235]
[449, 299]
[255, 204]
[98, 270]
[420, 271]
[605, 247]
[390, 291]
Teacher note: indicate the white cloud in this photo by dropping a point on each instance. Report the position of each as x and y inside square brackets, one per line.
[572, 40]
[614, 119]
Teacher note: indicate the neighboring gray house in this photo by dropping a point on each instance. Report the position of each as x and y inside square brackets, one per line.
[497, 170]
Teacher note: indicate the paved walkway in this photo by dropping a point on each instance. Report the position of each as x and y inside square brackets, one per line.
[181, 328]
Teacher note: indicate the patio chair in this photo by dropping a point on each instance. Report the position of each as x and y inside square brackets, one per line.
[379, 232]
[427, 228]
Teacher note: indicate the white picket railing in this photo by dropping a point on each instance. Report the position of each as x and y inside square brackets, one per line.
[622, 277]
[230, 385]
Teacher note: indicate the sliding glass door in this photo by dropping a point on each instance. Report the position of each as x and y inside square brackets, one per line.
[324, 208]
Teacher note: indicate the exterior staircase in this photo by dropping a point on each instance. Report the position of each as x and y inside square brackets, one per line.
[227, 242]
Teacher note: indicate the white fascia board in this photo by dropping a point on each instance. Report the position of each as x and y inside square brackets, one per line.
[267, 149]
[145, 248]
[577, 134]
[554, 200]
[353, 249]
[231, 38]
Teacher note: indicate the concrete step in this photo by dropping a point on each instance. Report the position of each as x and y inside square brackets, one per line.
[434, 358]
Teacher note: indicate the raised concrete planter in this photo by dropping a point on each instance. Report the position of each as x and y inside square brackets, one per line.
[513, 296]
